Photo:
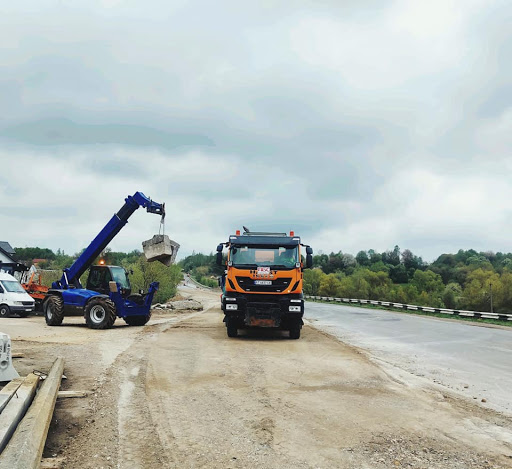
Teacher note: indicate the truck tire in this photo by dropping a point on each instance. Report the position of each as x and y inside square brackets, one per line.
[137, 320]
[5, 312]
[295, 333]
[54, 310]
[100, 313]
[231, 327]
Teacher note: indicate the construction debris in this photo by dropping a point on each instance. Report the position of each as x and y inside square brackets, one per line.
[160, 248]
[16, 408]
[71, 394]
[180, 305]
[25, 448]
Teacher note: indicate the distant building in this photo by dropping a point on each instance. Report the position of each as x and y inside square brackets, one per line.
[7, 253]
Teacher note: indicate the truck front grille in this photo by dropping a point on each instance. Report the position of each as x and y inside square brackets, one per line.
[278, 285]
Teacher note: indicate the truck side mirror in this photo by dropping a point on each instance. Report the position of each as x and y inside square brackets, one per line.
[309, 257]
[219, 254]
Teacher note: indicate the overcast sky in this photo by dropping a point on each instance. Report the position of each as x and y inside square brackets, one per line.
[358, 124]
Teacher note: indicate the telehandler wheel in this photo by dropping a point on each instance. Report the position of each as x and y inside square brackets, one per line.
[137, 320]
[295, 333]
[231, 327]
[5, 312]
[100, 313]
[54, 310]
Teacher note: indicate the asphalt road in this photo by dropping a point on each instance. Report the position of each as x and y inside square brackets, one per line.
[472, 360]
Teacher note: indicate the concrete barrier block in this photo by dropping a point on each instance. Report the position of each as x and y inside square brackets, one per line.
[7, 371]
[160, 248]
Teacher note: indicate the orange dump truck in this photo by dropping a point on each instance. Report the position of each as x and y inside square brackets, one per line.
[262, 286]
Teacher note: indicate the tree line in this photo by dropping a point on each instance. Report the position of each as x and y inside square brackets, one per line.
[465, 280]
[141, 272]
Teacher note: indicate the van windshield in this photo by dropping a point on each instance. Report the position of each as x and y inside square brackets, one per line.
[12, 286]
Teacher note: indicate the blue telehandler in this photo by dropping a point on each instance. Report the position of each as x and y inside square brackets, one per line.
[108, 293]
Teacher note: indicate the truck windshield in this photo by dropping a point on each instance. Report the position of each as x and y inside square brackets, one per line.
[275, 256]
[119, 276]
[12, 286]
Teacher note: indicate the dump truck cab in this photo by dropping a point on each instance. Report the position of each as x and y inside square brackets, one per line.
[263, 281]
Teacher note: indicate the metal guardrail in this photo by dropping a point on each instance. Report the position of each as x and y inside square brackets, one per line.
[197, 284]
[427, 309]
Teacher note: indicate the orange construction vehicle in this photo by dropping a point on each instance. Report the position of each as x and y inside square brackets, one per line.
[30, 280]
[262, 286]
[34, 287]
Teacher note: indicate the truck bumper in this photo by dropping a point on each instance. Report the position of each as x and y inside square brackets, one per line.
[265, 311]
[22, 309]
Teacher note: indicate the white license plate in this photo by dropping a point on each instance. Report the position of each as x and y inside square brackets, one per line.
[263, 282]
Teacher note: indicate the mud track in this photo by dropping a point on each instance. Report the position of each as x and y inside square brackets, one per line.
[181, 394]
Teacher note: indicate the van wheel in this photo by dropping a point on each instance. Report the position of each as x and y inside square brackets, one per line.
[5, 312]
[54, 310]
[100, 313]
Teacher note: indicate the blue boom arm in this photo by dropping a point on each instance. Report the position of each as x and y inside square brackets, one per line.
[72, 275]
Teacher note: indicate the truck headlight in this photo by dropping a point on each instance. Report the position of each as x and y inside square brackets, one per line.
[20, 303]
[232, 307]
[294, 309]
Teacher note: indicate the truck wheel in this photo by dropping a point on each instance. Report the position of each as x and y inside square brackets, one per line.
[295, 333]
[5, 312]
[100, 313]
[231, 327]
[54, 310]
[137, 320]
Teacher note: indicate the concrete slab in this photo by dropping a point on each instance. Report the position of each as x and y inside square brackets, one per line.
[160, 248]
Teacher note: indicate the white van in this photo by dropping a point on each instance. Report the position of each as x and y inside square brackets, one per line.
[13, 297]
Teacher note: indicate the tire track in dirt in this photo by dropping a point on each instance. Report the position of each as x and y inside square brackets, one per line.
[264, 401]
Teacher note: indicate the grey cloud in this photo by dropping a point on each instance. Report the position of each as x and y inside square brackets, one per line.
[67, 132]
[123, 92]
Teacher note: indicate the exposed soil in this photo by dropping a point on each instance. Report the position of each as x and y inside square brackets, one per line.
[178, 393]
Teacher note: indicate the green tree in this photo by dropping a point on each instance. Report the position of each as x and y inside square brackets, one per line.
[329, 285]
[145, 272]
[362, 258]
[451, 295]
[312, 279]
[477, 291]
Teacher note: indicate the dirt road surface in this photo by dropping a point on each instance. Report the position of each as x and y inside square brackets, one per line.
[179, 393]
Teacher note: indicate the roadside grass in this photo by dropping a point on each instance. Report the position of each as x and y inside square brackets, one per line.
[418, 313]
